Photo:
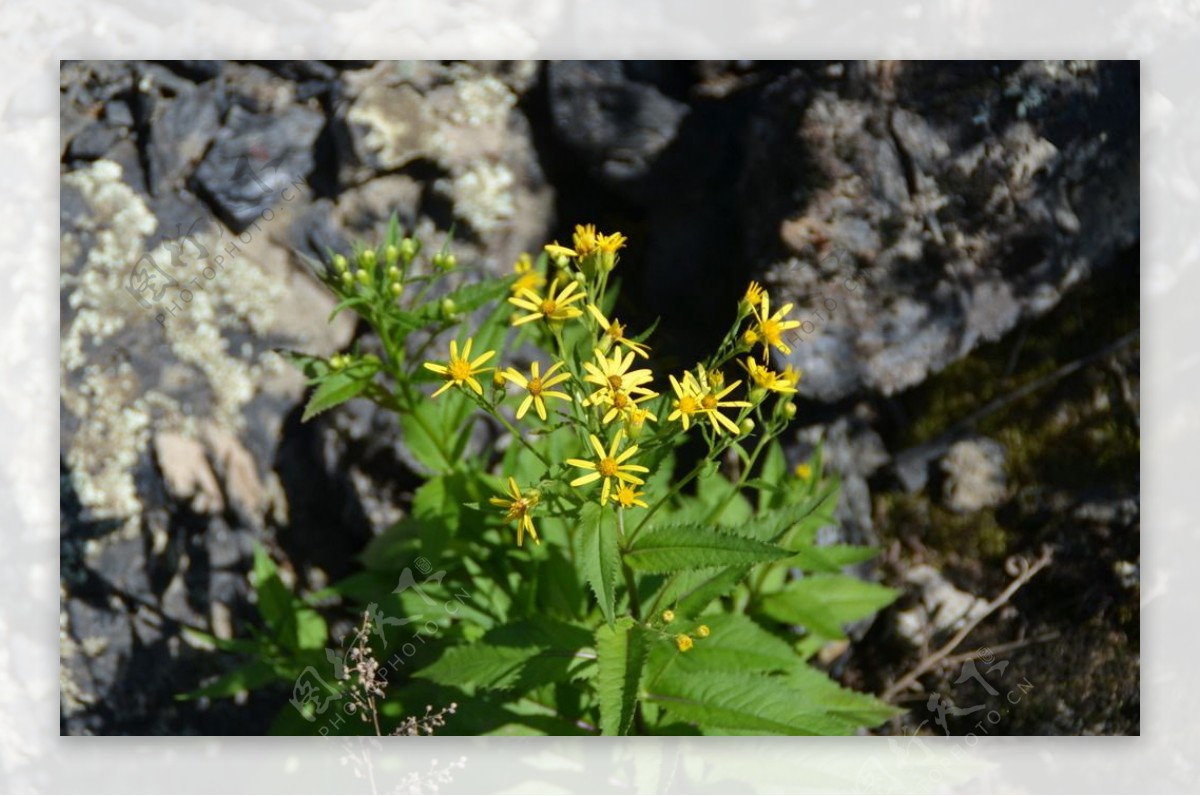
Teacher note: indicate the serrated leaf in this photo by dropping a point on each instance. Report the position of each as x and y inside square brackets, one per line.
[620, 657]
[722, 701]
[823, 603]
[339, 386]
[600, 556]
[736, 643]
[479, 665]
[517, 657]
[670, 548]
[314, 368]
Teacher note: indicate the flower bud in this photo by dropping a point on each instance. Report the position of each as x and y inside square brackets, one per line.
[746, 426]
[363, 277]
[367, 258]
[336, 362]
[396, 289]
[408, 249]
[757, 394]
[668, 616]
[391, 254]
[703, 631]
[683, 642]
[393, 273]
[339, 263]
[789, 410]
[448, 308]
[347, 278]
[444, 261]
[498, 380]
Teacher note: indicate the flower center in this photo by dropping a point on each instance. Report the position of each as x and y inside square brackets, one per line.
[620, 400]
[535, 386]
[518, 508]
[770, 330]
[688, 405]
[548, 306]
[708, 402]
[607, 467]
[614, 381]
[616, 331]
[460, 369]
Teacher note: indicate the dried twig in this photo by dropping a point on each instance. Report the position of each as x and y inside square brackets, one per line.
[1025, 572]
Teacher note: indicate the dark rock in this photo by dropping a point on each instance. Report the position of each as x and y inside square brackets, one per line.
[254, 159]
[181, 135]
[118, 114]
[615, 121]
[93, 141]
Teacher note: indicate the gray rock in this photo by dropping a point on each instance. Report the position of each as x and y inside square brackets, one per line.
[180, 136]
[255, 159]
[924, 218]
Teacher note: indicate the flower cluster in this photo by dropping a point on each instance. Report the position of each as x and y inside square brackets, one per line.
[607, 397]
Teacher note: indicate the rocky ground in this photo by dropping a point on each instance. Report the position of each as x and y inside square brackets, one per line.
[961, 241]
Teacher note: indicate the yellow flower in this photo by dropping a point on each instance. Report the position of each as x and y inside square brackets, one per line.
[668, 616]
[554, 250]
[754, 294]
[609, 244]
[528, 278]
[636, 417]
[683, 642]
[768, 379]
[615, 331]
[687, 400]
[612, 377]
[629, 497]
[538, 386]
[803, 471]
[769, 328]
[609, 466]
[517, 509]
[460, 370]
[554, 307]
[703, 631]
[585, 239]
[711, 404]
[790, 375]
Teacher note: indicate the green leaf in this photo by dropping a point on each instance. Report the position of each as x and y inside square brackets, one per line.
[340, 386]
[517, 657]
[243, 679]
[741, 701]
[696, 590]
[670, 548]
[621, 655]
[772, 525]
[736, 643]
[425, 436]
[274, 599]
[315, 368]
[831, 558]
[310, 629]
[480, 665]
[823, 603]
[600, 556]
